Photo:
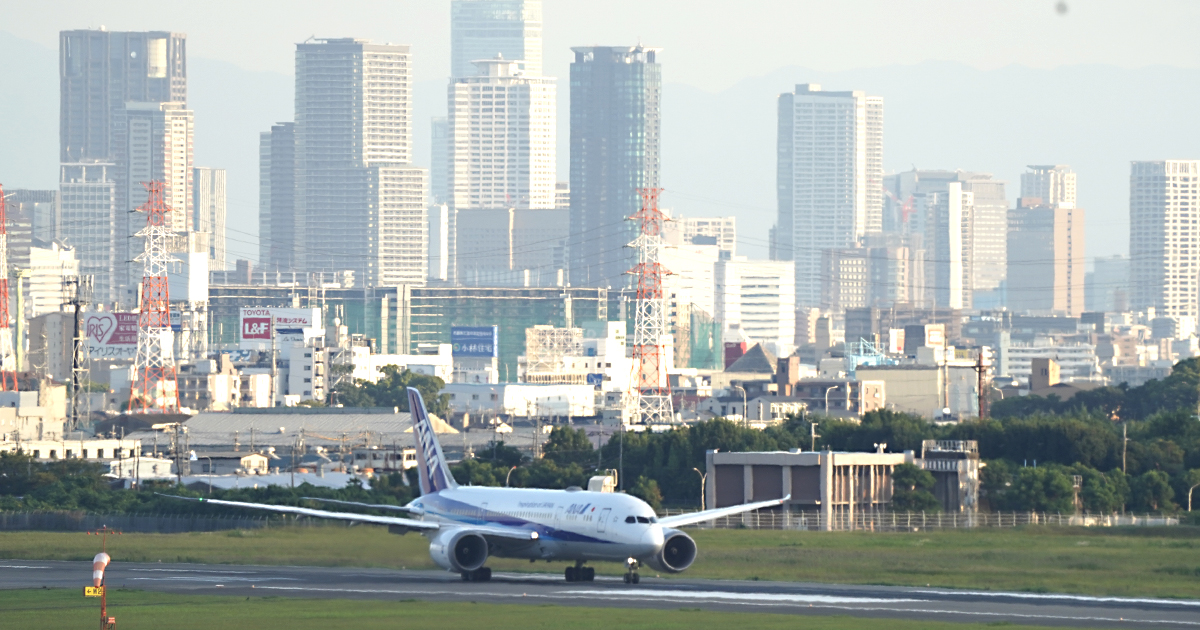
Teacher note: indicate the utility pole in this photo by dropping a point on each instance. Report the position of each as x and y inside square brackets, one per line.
[812, 428]
[80, 401]
[8, 368]
[980, 373]
[1124, 446]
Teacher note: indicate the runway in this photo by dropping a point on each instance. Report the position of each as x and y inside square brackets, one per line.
[546, 588]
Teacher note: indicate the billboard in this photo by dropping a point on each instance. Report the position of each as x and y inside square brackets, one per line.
[475, 341]
[256, 322]
[111, 335]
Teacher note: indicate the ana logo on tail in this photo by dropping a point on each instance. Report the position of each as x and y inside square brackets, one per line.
[431, 465]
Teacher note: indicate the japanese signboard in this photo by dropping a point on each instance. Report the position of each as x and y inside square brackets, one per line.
[475, 341]
[111, 335]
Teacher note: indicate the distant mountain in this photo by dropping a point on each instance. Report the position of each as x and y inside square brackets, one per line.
[719, 149]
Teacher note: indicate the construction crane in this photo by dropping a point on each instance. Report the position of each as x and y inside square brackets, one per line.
[906, 206]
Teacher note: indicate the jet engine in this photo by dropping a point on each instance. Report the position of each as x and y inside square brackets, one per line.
[677, 553]
[461, 550]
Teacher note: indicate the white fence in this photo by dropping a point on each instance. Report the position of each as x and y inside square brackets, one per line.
[917, 521]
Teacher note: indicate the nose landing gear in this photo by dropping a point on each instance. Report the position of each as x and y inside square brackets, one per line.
[631, 571]
[580, 573]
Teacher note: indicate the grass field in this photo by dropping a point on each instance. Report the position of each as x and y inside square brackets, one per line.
[1124, 562]
[54, 609]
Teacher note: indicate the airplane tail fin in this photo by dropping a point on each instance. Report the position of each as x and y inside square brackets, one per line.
[431, 464]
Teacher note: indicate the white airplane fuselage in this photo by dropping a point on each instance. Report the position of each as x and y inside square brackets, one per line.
[569, 524]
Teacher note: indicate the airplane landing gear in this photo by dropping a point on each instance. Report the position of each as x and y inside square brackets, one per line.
[482, 574]
[580, 573]
[631, 571]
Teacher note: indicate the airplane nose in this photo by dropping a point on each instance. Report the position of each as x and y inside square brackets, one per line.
[653, 537]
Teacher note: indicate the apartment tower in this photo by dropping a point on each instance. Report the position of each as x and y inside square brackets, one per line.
[829, 178]
[1164, 237]
[482, 29]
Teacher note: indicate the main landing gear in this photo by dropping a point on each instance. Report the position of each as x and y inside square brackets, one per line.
[580, 573]
[631, 571]
[482, 574]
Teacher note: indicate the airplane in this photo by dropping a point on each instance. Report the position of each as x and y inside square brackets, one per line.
[466, 525]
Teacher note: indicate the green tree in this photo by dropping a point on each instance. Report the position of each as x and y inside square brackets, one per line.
[391, 390]
[570, 446]
[1152, 492]
[646, 489]
[911, 490]
[1041, 489]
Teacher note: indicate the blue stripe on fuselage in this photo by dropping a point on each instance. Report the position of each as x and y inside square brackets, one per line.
[443, 507]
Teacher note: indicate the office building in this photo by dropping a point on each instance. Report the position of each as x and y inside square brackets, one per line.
[360, 205]
[88, 205]
[719, 231]
[208, 186]
[1053, 184]
[756, 297]
[277, 234]
[509, 247]
[483, 29]
[989, 242]
[501, 139]
[38, 208]
[150, 142]
[829, 178]
[616, 94]
[47, 270]
[1164, 237]
[100, 71]
[442, 228]
[1046, 262]
[562, 195]
[1107, 285]
[845, 279]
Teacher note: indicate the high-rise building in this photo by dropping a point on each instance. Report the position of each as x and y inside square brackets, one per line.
[616, 93]
[829, 178]
[39, 208]
[1053, 184]
[501, 138]
[150, 142]
[360, 205]
[510, 247]
[482, 29]
[1164, 237]
[1046, 264]
[208, 186]
[439, 161]
[1107, 285]
[100, 71]
[562, 195]
[277, 234]
[756, 297]
[720, 231]
[88, 205]
[989, 242]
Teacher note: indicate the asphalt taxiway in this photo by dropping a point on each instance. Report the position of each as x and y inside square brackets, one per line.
[544, 588]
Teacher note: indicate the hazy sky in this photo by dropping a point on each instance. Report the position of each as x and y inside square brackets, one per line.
[709, 44]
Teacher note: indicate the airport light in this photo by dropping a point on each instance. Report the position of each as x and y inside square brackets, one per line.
[704, 477]
[506, 477]
[745, 415]
[827, 398]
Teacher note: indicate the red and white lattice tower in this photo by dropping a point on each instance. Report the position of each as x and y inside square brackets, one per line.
[155, 388]
[651, 389]
[8, 356]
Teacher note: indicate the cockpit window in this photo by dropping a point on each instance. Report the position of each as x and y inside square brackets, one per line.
[653, 520]
[630, 519]
[643, 519]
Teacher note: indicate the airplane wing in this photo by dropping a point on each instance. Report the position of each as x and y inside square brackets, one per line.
[708, 515]
[407, 523]
[377, 506]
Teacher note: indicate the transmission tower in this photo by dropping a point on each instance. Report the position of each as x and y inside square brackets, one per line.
[652, 391]
[8, 359]
[80, 359]
[154, 387]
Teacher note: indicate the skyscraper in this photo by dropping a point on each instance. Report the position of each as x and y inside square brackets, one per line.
[482, 29]
[501, 137]
[1053, 184]
[87, 204]
[277, 198]
[1164, 237]
[616, 94]
[829, 178]
[208, 185]
[1046, 264]
[439, 161]
[100, 71]
[359, 203]
[150, 141]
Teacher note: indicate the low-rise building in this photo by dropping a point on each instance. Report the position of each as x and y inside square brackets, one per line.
[230, 463]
